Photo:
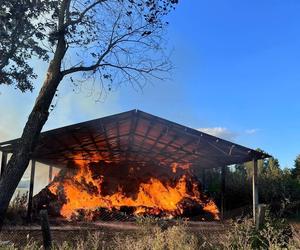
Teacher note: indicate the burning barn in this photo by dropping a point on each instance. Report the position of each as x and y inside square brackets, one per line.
[131, 163]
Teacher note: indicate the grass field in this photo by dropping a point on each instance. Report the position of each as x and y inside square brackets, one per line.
[153, 235]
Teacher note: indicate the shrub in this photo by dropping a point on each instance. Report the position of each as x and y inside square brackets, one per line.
[241, 236]
[16, 211]
[275, 234]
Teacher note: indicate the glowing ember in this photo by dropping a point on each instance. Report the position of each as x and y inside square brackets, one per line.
[154, 190]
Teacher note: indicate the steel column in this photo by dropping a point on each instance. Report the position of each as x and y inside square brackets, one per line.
[203, 179]
[254, 190]
[3, 163]
[223, 175]
[50, 173]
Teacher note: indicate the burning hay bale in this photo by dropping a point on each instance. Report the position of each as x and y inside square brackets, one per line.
[94, 190]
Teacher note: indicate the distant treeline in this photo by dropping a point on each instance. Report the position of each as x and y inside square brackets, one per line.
[278, 187]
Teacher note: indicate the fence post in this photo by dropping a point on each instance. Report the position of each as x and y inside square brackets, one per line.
[47, 241]
[260, 220]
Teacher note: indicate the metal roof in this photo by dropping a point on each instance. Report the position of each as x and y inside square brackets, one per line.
[136, 136]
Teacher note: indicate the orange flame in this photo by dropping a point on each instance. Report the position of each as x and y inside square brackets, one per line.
[84, 190]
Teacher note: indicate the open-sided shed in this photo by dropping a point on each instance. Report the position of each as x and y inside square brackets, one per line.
[136, 136]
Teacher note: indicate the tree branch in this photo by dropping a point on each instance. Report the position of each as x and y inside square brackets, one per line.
[111, 45]
[82, 14]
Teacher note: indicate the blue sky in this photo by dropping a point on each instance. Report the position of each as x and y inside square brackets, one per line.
[237, 76]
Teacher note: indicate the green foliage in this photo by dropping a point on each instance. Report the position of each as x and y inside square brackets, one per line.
[116, 42]
[277, 187]
[296, 169]
[21, 32]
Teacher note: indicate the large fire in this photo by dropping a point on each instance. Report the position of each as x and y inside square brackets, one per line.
[140, 190]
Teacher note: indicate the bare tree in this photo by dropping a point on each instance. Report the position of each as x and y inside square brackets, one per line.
[105, 42]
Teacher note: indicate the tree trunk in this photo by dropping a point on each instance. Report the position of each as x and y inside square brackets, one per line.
[36, 120]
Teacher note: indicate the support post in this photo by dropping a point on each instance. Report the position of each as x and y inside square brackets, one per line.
[203, 179]
[3, 163]
[31, 186]
[254, 190]
[223, 175]
[50, 173]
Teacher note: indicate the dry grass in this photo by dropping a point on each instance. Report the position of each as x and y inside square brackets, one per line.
[158, 235]
[158, 238]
